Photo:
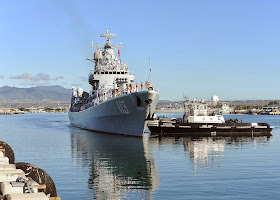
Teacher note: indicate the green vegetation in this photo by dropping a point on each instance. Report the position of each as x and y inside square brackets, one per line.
[24, 109]
[49, 109]
[273, 103]
[219, 105]
[241, 107]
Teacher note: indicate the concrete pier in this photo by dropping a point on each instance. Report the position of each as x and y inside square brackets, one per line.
[13, 188]
[28, 196]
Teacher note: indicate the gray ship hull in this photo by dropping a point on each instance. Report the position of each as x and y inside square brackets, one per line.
[120, 115]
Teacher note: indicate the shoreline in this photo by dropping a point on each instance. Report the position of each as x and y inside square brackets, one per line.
[170, 111]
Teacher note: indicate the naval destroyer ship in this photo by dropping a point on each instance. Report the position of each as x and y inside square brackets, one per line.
[115, 103]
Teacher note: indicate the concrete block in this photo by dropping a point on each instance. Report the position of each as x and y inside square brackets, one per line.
[10, 175]
[7, 188]
[27, 196]
[16, 184]
[14, 187]
[4, 160]
[7, 166]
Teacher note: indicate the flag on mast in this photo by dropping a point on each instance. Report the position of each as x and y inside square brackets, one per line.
[119, 53]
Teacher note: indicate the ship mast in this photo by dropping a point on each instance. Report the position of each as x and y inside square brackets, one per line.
[108, 35]
[107, 45]
[150, 75]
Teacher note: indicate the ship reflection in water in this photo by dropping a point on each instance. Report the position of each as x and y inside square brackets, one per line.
[207, 152]
[119, 167]
[122, 167]
[203, 150]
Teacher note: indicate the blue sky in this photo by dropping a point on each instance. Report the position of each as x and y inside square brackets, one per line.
[198, 48]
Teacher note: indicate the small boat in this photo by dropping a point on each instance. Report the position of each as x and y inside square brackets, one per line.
[198, 122]
[253, 112]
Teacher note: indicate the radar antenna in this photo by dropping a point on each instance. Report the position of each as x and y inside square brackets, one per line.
[108, 35]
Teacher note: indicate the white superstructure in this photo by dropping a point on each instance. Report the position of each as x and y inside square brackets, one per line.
[198, 113]
[115, 104]
[225, 109]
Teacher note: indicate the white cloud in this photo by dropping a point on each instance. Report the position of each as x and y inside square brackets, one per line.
[38, 79]
[58, 77]
[27, 76]
[42, 76]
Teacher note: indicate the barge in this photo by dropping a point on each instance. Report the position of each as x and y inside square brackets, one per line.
[198, 122]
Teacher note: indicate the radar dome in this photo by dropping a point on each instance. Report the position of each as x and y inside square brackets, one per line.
[110, 51]
[80, 92]
[215, 99]
[74, 92]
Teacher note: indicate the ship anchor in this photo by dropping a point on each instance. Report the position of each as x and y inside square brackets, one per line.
[149, 102]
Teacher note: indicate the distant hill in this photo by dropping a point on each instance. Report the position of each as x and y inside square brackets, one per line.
[56, 88]
[37, 94]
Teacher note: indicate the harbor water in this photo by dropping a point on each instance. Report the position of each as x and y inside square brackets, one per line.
[88, 165]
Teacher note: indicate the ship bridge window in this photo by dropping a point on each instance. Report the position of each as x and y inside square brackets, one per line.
[122, 72]
[110, 72]
[106, 72]
[102, 72]
[114, 72]
[118, 72]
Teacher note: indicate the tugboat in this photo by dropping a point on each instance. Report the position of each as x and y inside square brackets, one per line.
[115, 104]
[198, 122]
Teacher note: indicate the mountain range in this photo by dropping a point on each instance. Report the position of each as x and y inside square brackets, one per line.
[40, 94]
